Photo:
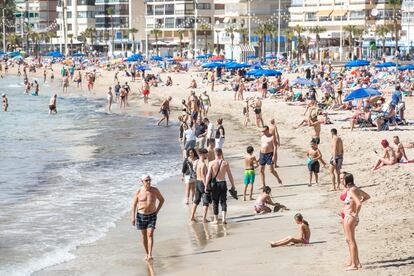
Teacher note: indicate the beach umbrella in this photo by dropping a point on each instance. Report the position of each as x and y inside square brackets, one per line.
[265, 72]
[406, 67]
[362, 93]
[303, 82]
[177, 58]
[143, 67]
[168, 56]
[386, 64]
[212, 65]
[16, 53]
[18, 57]
[78, 55]
[157, 58]
[2, 53]
[235, 65]
[251, 57]
[217, 58]
[201, 57]
[67, 62]
[357, 63]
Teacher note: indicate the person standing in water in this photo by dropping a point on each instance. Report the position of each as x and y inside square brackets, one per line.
[5, 102]
[52, 104]
[145, 211]
[36, 88]
[110, 98]
[267, 155]
[165, 111]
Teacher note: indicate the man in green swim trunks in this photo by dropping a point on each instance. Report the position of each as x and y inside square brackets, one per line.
[250, 163]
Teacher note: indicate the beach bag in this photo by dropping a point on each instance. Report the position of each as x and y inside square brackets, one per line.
[213, 181]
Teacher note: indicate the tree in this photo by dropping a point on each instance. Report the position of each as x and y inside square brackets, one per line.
[317, 30]
[272, 31]
[396, 5]
[12, 40]
[260, 33]
[205, 27]
[90, 33]
[299, 30]
[110, 11]
[70, 36]
[230, 31]
[358, 32]
[289, 34]
[382, 32]
[156, 32]
[350, 29]
[244, 32]
[181, 36]
[133, 31]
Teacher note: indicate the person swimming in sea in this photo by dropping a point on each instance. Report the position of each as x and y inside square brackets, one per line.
[305, 234]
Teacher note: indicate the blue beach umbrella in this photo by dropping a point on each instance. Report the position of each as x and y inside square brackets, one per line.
[357, 63]
[201, 57]
[213, 65]
[157, 58]
[385, 65]
[362, 93]
[251, 57]
[168, 56]
[235, 65]
[303, 82]
[265, 72]
[142, 68]
[406, 67]
[78, 55]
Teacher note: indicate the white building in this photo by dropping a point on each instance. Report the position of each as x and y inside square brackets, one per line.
[407, 24]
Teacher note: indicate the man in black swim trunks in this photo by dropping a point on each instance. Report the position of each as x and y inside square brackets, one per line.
[165, 111]
[144, 212]
[201, 193]
[257, 108]
[268, 150]
[52, 104]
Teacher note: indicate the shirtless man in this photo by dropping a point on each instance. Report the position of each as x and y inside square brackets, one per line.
[200, 194]
[52, 104]
[399, 149]
[257, 108]
[273, 130]
[315, 123]
[211, 150]
[122, 94]
[268, 150]
[144, 212]
[337, 151]
[194, 106]
[165, 111]
[217, 170]
[5, 102]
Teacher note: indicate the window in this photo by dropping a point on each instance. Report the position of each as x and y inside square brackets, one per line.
[150, 10]
[357, 15]
[169, 22]
[297, 3]
[204, 6]
[169, 9]
[69, 27]
[69, 14]
[310, 16]
[86, 14]
[219, 6]
[159, 9]
[86, 2]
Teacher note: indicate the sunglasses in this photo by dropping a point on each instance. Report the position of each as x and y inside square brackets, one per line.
[147, 180]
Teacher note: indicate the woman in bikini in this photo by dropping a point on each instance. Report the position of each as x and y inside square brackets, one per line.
[352, 207]
[205, 100]
[305, 234]
[389, 157]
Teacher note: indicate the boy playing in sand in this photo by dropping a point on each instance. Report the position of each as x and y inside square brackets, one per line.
[304, 234]
[314, 156]
[250, 164]
[260, 207]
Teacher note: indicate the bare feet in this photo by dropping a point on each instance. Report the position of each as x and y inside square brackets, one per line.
[214, 222]
[310, 185]
[351, 268]
[273, 244]
[150, 258]
[224, 221]
[206, 220]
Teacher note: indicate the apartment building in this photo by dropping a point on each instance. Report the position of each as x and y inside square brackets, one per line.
[194, 18]
[407, 25]
[334, 15]
[39, 15]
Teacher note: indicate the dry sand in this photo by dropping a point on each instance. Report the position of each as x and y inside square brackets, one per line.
[385, 234]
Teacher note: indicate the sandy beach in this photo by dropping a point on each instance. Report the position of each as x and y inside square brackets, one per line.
[385, 233]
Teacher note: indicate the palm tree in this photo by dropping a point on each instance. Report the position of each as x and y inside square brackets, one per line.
[230, 31]
[181, 36]
[70, 36]
[244, 32]
[133, 31]
[110, 11]
[289, 34]
[358, 32]
[156, 32]
[205, 27]
[350, 29]
[299, 30]
[12, 40]
[90, 33]
[396, 5]
[272, 31]
[382, 32]
[260, 33]
[263, 30]
[317, 30]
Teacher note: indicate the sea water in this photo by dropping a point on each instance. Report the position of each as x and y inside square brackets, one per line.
[65, 179]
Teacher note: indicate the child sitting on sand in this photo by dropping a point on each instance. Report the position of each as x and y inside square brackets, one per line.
[261, 203]
[250, 164]
[304, 234]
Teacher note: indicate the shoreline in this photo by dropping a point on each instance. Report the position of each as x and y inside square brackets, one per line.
[243, 247]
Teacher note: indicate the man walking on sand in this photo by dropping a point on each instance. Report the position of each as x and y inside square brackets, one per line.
[337, 151]
[217, 170]
[200, 167]
[165, 111]
[144, 213]
[268, 151]
[275, 133]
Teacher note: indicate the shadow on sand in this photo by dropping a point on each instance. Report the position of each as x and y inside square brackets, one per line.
[409, 261]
